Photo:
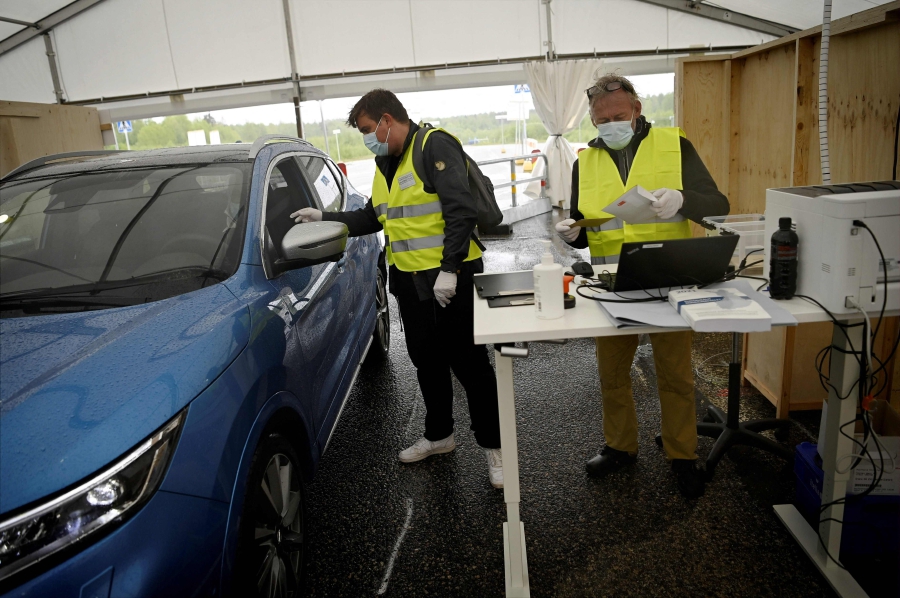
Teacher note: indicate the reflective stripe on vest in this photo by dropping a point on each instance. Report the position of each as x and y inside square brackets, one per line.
[657, 164]
[412, 218]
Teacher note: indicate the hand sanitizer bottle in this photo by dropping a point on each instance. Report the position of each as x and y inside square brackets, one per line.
[548, 287]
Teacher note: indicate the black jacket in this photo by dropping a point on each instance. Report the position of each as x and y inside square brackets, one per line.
[701, 196]
[460, 214]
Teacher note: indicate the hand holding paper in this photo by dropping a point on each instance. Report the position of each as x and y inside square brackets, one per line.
[568, 230]
[668, 202]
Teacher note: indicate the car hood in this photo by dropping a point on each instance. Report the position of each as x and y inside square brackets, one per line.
[78, 390]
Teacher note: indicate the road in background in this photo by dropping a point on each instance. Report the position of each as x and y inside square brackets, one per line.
[361, 172]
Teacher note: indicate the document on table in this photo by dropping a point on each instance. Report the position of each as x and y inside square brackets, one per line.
[662, 314]
[634, 207]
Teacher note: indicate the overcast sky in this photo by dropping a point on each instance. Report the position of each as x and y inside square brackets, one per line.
[431, 104]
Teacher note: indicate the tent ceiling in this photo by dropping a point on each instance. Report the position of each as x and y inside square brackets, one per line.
[118, 50]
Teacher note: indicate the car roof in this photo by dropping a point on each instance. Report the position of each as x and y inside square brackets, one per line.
[163, 157]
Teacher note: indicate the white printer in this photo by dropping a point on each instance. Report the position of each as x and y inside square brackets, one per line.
[838, 262]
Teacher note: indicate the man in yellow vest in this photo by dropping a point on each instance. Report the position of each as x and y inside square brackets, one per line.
[428, 221]
[629, 152]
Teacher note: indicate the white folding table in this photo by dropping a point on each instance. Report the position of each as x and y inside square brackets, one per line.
[519, 324]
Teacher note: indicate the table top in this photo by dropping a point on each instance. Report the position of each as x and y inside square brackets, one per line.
[586, 319]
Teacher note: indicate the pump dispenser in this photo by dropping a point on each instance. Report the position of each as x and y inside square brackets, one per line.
[548, 286]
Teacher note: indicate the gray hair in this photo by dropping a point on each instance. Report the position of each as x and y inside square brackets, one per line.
[598, 89]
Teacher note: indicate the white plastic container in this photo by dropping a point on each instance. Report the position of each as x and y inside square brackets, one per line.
[751, 230]
[548, 287]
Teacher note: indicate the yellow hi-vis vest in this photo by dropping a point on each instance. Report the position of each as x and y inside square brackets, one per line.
[657, 164]
[412, 218]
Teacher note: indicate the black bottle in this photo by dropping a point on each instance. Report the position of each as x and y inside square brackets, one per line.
[783, 261]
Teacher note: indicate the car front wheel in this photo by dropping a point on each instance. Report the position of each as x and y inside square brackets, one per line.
[271, 549]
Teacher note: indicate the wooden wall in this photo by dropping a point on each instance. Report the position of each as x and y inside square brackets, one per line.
[753, 115]
[29, 131]
[757, 110]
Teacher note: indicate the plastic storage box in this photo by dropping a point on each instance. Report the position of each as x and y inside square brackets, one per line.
[750, 227]
[871, 524]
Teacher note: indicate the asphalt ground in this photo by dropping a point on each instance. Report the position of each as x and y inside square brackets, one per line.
[434, 528]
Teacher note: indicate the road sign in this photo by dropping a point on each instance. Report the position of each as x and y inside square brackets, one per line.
[336, 132]
[124, 126]
[523, 88]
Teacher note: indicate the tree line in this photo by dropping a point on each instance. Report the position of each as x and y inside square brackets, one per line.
[474, 128]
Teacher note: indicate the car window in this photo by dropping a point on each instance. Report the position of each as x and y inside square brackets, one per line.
[287, 192]
[122, 226]
[325, 182]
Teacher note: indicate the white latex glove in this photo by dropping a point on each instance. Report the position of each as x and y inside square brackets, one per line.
[668, 202]
[445, 287]
[568, 232]
[307, 215]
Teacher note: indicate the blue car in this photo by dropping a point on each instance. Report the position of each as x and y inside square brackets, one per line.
[175, 353]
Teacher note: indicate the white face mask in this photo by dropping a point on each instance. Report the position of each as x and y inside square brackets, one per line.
[616, 134]
[379, 148]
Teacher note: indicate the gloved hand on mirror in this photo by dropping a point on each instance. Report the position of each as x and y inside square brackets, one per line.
[307, 215]
[568, 232]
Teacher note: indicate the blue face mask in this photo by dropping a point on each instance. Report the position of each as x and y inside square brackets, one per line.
[616, 134]
[379, 148]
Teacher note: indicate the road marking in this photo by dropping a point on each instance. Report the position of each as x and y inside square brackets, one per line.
[390, 567]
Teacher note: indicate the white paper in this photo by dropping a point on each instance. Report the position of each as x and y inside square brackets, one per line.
[720, 310]
[634, 207]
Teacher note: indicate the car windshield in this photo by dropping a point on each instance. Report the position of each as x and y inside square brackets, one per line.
[139, 235]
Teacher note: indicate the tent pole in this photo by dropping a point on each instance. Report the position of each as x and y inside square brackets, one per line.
[295, 78]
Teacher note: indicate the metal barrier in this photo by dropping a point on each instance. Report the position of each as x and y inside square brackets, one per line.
[512, 173]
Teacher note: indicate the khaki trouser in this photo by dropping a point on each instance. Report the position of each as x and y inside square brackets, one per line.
[672, 356]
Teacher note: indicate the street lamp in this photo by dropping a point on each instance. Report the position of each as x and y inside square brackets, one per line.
[337, 141]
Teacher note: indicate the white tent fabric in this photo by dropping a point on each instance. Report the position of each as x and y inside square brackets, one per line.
[558, 92]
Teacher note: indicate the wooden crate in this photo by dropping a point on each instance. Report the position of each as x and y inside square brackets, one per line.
[753, 117]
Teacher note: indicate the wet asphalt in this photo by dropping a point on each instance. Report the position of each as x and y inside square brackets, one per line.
[434, 528]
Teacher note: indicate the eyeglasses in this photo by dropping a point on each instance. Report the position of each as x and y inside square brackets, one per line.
[611, 86]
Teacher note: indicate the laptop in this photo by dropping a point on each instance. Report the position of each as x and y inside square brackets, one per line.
[674, 263]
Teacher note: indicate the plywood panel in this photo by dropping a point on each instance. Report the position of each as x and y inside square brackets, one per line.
[765, 361]
[863, 98]
[806, 163]
[762, 127]
[707, 92]
[29, 131]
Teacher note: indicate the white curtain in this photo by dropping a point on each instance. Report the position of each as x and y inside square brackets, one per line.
[557, 89]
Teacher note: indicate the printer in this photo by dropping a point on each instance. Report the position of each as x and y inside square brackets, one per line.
[838, 263]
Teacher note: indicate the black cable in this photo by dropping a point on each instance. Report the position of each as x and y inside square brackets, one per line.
[862, 224]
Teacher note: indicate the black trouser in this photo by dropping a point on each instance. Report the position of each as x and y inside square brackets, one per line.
[440, 339]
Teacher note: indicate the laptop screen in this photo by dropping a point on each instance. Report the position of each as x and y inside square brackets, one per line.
[674, 263]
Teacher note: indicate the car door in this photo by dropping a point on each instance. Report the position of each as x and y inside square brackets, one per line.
[327, 186]
[309, 298]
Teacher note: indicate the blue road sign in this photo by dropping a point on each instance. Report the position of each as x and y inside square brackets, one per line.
[124, 126]
[523, 88]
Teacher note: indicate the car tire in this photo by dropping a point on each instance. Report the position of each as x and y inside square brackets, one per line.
[271, 550]
[381, 336]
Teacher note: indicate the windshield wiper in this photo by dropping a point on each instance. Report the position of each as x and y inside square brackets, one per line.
[63, 301]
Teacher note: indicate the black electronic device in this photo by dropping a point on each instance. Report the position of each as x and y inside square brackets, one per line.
[673, 263]
[583, 269]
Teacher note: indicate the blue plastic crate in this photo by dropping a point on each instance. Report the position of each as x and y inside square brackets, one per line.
[871, 525]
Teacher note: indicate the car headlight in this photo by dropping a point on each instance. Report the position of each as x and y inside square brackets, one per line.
[105, 499]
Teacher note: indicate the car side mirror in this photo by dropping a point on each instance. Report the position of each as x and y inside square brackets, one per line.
[311, 243]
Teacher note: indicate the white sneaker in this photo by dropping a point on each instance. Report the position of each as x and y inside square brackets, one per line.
[495, 466]
[425, 448]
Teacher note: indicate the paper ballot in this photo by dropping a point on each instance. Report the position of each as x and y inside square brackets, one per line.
[720, 310]
[633, 207]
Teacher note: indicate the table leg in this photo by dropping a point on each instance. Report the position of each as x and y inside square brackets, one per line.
[844, 373]
[515, 561]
